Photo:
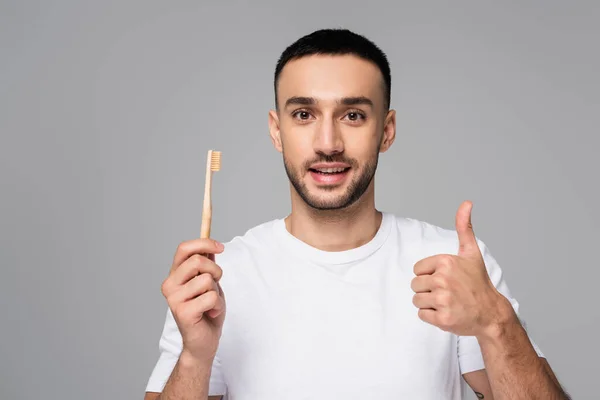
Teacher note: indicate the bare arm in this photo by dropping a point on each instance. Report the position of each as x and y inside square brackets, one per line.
[512, 365]
[197, 303]
[189, 381]
[456, 293]
[480, 383]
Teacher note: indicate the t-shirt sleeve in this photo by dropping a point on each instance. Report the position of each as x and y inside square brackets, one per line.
[170, 345]
[469, 353]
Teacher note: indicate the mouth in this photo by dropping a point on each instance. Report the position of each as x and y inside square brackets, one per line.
[329, 171]
[329, 176]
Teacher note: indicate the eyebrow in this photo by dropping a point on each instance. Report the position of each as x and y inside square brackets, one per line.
[353, 101]
[299, 100]
[347, 101]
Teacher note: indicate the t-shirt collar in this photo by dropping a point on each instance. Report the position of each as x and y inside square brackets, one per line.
[304, 250]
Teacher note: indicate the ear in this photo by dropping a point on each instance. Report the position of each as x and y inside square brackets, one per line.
[274, 130]
[389, 131]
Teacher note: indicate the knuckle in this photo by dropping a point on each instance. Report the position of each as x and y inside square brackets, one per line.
[447, 259]
[205, 265]
[182, 247]
[211, 298]
[209, 244]
[416, 266]
[439, 281]
[415, 300]
[204, 281]
[196, 259]
[165, 287]
[413, 284]
[443, 298]
[218, 273]
[446, 262]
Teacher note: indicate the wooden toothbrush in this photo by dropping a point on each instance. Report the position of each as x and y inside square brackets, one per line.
[213, 164]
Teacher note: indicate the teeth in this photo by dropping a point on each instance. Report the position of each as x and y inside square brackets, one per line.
[331, 170]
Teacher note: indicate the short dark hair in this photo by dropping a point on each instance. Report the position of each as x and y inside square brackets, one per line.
[337, 42]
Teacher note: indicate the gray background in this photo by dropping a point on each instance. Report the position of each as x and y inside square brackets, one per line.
[108, 108]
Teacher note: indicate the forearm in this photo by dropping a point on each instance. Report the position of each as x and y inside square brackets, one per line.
[513, 366]
[188, 381]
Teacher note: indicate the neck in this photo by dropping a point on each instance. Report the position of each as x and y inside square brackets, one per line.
[335, 230]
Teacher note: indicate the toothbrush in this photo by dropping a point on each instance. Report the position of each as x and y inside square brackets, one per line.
[213, 164]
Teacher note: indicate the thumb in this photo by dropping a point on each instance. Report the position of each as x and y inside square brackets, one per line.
[467, 242]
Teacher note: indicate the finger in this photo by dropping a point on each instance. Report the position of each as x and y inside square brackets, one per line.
[196, 246]
[210, 303]
[424, 300]
[426, 266]
[424, 283]
[215, 312]
[194, 288]
[428, 315]
[464, 228]
[195, 265]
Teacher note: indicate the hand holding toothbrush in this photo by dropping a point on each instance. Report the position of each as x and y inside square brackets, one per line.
[192, 288]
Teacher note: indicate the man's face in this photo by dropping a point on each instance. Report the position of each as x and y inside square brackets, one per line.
[331, 125]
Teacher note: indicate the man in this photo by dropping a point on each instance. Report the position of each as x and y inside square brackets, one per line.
[339, 300]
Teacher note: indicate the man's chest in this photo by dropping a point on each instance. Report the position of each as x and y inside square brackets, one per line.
[337, 335]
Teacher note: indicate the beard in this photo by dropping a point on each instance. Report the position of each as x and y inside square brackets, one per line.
[356, 188]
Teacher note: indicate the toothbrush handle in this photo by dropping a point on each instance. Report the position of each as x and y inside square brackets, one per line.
[205, 228]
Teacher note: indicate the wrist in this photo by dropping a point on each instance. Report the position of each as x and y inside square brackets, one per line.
[504, 321]
[189, 360]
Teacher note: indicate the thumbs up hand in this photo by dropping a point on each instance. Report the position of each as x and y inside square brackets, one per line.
[454, 292]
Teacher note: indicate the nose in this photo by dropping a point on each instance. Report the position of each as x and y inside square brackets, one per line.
[328, 138]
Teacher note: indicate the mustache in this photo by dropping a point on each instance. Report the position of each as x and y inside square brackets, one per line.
[331, 159]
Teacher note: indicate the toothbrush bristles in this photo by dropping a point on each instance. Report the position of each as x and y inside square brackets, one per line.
[215, 161]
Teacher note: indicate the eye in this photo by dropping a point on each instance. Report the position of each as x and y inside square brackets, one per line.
[355, 116]
[301, 115]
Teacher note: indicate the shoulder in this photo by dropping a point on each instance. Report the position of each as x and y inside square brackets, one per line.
[416, 231]
[429, 237]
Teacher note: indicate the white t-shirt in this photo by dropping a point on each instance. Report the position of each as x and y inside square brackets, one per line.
[303, 323]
